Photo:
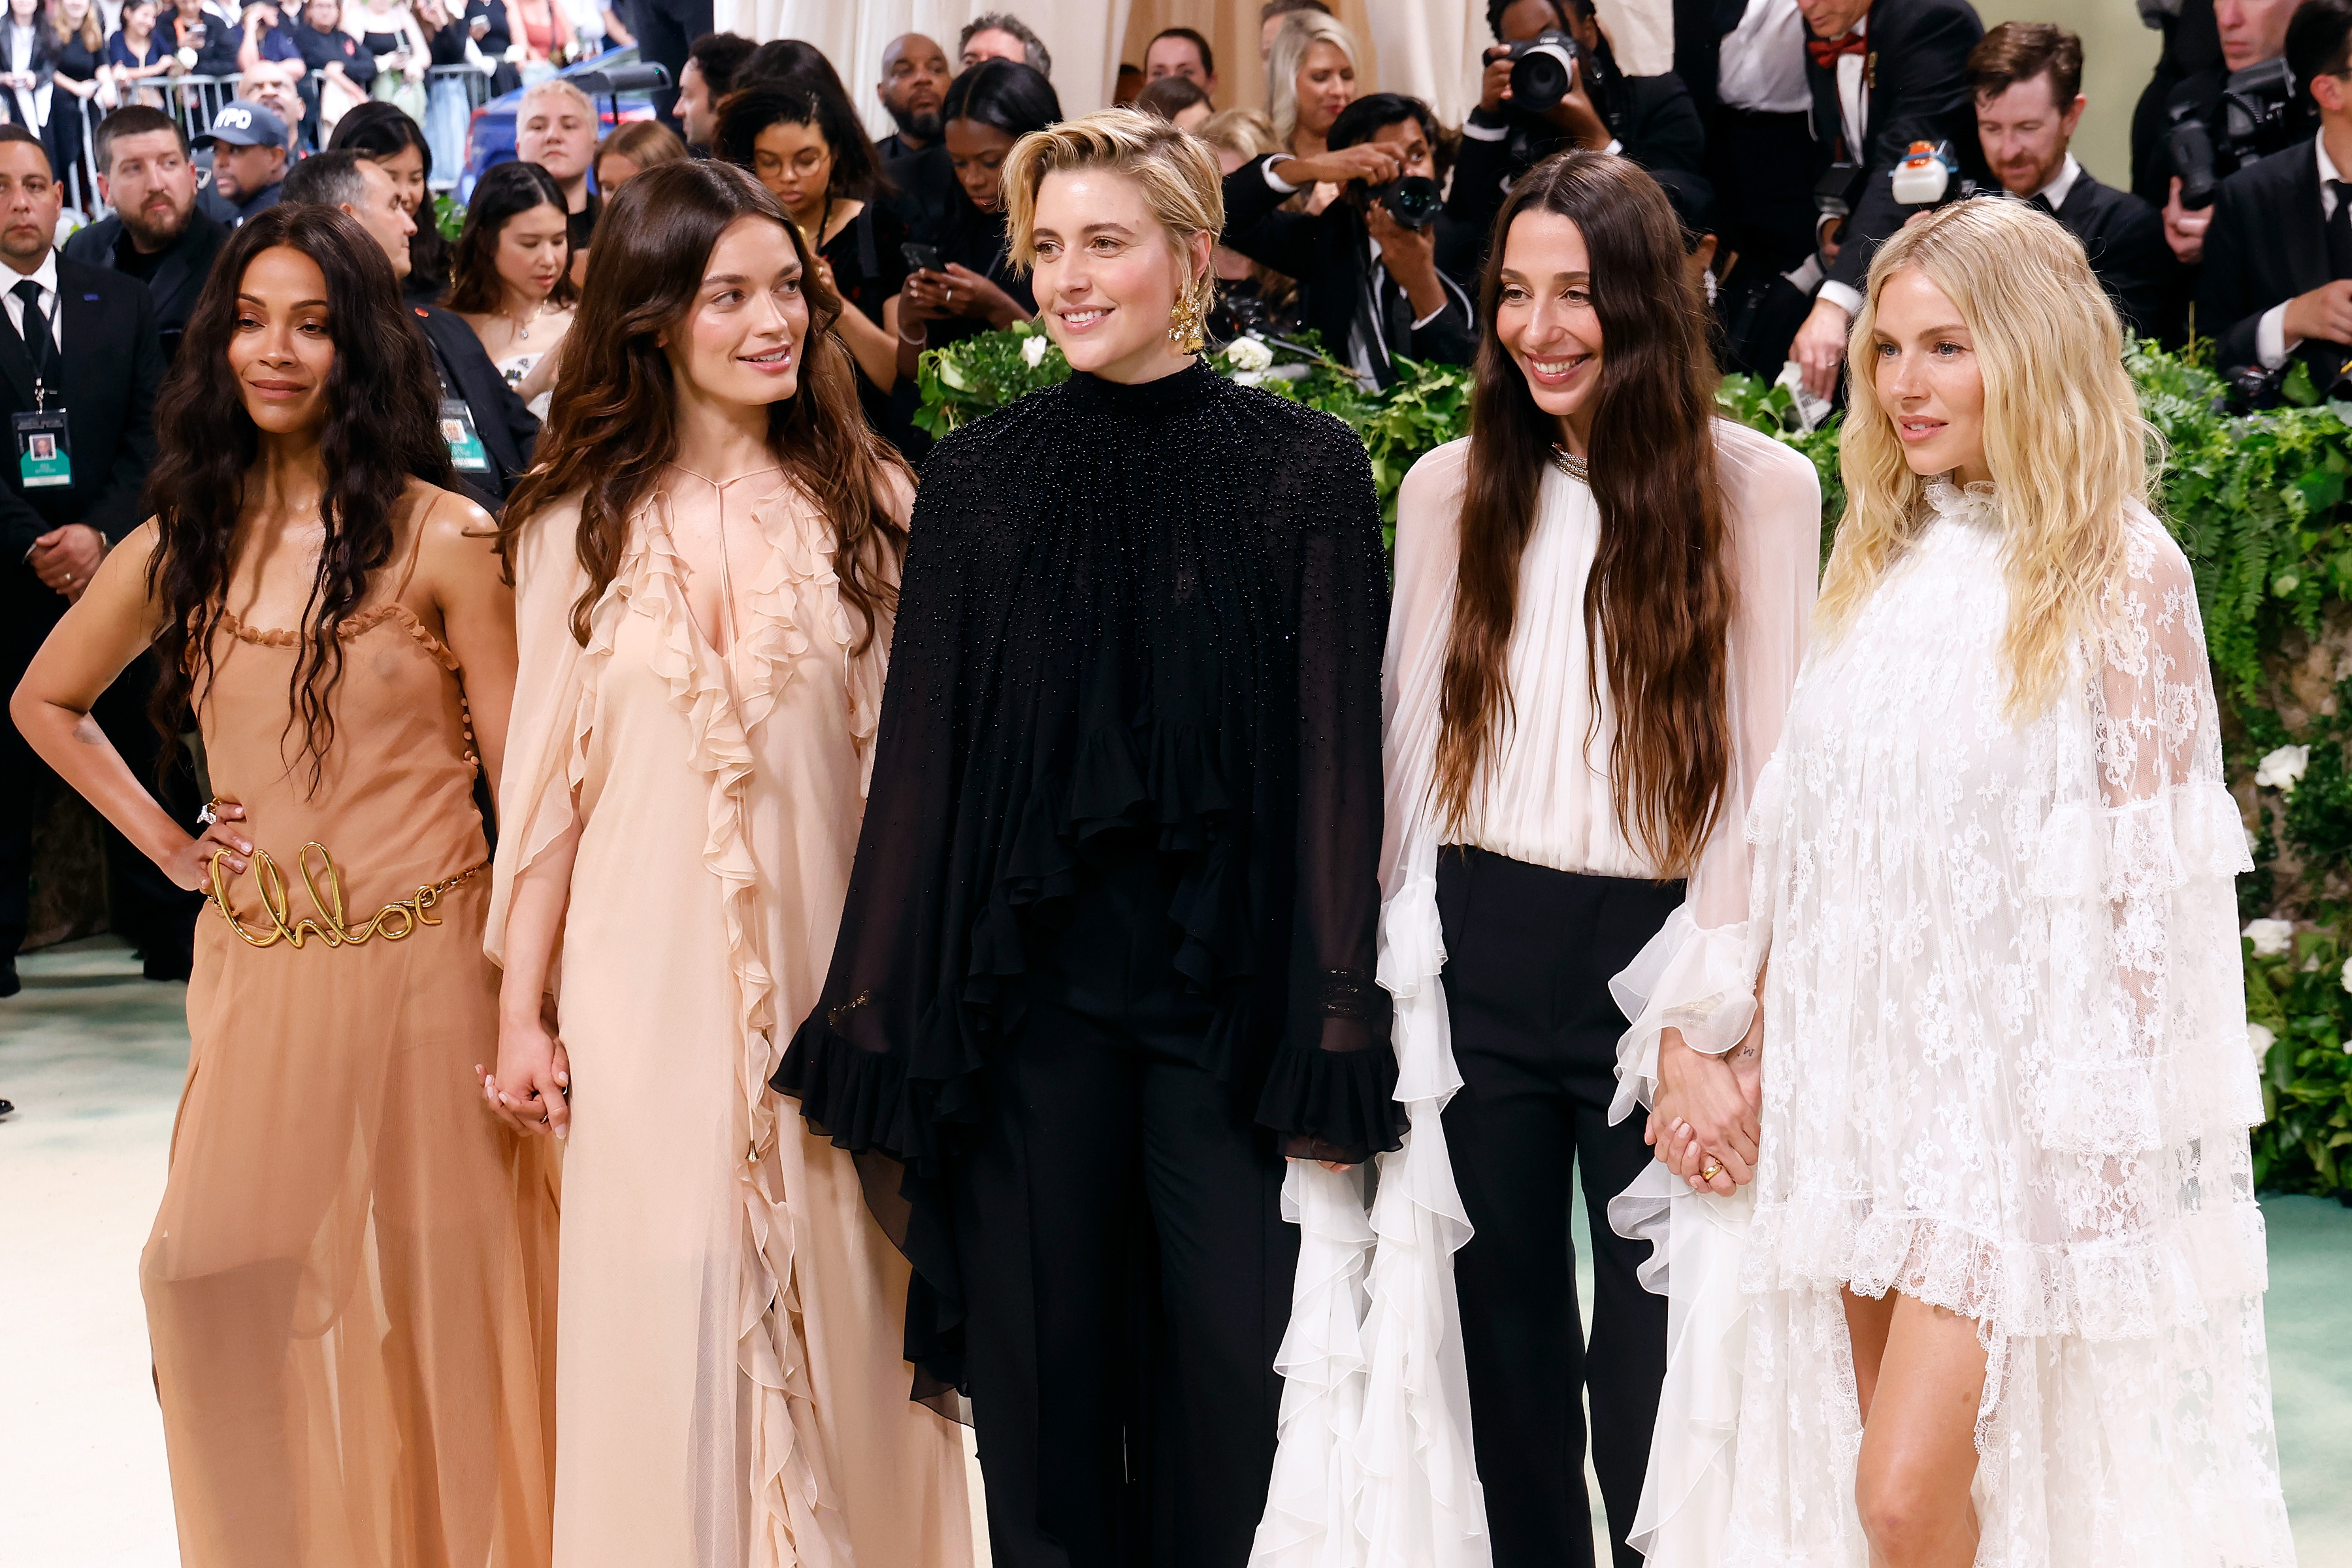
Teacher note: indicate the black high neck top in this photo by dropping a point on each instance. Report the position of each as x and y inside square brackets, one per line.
[1131, 614]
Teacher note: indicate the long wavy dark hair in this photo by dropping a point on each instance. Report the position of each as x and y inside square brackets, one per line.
[613, 425]
[504, 193]
[383, 129]
[381, 430]
[1659, 601]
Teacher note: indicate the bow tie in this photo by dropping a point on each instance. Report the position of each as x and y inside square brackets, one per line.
[1826, 52]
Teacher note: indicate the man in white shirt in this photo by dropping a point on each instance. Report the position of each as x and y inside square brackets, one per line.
[1744, 63]
[2277, 279]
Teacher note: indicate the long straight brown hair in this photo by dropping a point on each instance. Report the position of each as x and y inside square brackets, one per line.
[613, 425]
[1659, 601]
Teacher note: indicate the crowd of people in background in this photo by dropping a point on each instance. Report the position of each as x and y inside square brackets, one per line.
[654, 407]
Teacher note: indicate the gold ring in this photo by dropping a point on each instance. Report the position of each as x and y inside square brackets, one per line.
[1712, 1169]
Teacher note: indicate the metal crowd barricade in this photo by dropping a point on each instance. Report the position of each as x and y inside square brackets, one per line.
[452, 93]
[192, 100]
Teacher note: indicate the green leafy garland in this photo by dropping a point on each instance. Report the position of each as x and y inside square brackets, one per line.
[2259, 504]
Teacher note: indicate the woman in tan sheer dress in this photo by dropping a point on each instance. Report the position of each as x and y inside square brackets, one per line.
[706, 563]
[346, 1284]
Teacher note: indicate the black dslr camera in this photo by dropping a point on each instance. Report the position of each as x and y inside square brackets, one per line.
[1414, 200]
[2255, 108]
[1541, 68]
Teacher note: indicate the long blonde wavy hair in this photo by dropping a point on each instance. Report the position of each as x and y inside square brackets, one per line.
[2063, 438]
[1300, 32]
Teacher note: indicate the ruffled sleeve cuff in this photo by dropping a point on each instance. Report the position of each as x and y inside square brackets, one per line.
[1333, 1105]
[1701, 982]
[857, 1098]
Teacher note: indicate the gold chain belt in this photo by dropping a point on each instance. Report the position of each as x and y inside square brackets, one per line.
[391, 922]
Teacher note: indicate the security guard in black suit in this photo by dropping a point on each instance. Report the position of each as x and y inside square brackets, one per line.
[80, 367]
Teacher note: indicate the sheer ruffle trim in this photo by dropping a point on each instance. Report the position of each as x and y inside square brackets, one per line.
[797, 1517]
[1700, 981]
[2183, 833]
[1317, 1479]
[1335, 1105]
[1423, 1502]
[857, 1098]
[2094, 1289]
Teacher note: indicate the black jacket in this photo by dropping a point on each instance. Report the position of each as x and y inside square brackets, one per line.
[2267, 244]
[1653, 117]
[2124, 237]
[1330, 253]
[1918, 91]
[179, 277]
[1700, 27]
[508, 428]
[112, 366]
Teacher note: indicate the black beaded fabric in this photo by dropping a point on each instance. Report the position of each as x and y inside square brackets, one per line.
[1151, 610]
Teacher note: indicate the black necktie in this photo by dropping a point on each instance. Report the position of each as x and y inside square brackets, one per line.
[35, 332]
[2340, 231]
[2037, 200]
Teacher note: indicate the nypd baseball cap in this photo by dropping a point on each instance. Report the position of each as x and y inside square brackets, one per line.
[242, 122]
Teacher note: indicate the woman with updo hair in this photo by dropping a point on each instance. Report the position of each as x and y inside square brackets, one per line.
[1108, 956]
[705, 565]
[348, 1281]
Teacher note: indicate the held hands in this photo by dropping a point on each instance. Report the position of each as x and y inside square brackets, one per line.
[191, 867]
[2185, 230]
[530, 1092]
[1707, 1110]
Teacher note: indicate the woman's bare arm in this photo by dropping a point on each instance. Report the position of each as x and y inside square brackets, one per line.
[459, 561]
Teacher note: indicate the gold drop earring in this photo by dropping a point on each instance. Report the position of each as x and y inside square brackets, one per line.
[1188, 319]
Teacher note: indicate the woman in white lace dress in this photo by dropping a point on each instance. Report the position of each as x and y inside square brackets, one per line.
[2003, 1278]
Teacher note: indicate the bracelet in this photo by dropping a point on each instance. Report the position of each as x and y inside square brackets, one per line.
[922, 341]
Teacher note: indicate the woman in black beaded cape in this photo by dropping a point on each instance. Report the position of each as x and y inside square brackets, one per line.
[1108, 956]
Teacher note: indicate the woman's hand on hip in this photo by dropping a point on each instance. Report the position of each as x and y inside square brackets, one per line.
[192, 865]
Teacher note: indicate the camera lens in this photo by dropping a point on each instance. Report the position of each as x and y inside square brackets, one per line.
[1538, 80]
[1413, 201]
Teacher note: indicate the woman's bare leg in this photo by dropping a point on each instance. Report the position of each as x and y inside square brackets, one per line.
[1919, 1373]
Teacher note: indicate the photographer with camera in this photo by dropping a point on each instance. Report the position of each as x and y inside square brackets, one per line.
[2232, 102]
[2026, 79]
[1884, 74]
[1552, 83]
[1386, 273]
[2277, 279]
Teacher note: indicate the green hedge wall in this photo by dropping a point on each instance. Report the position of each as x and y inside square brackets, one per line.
[2258, 502]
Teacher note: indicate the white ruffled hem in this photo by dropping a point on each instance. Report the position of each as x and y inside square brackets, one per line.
[1699, 981]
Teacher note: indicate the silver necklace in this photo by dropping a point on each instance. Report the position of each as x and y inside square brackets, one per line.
[1568, 463]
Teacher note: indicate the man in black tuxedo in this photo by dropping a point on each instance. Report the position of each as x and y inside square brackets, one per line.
[2277, 279]
[1374, 289]
[490, 445]
[2026, 79]
[1744, 63]
[913, 88]
[2211, 53]
[80, 366]
[1884, 74]
[156, 234]
[1650, 119]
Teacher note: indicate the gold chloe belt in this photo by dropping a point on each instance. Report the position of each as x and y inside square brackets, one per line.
[391, 922]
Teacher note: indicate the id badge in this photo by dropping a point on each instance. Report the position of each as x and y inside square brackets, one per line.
[44, 458]
[466, 453]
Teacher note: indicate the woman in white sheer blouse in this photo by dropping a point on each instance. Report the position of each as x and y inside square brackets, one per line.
[1602, 597]
[2003, 1278]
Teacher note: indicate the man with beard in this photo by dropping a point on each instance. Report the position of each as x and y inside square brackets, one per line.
[79, 366]
[155, 233]
[490, 432]
[914, 85]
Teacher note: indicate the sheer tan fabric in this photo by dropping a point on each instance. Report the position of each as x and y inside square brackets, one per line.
[348, 1285]
[730, 1389]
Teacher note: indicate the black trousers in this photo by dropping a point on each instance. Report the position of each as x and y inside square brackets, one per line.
[1762, 168]
[1127, 1276]
[142, 905]
[666, 30]
[1529, 952]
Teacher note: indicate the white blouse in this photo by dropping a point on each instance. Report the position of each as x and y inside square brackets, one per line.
[1375, 1430]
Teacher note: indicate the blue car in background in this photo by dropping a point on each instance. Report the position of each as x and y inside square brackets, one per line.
[491, 138]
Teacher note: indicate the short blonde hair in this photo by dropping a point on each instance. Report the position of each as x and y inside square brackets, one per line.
[1300, 31]
[1176, 172]
[1244, 132]
[2069, 453]
[559, 88]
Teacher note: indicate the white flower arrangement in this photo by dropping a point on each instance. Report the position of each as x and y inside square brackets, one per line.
[2259, 1037]
[1249, 354]
[2271, 937]
[2346, 977]
[2281, 768]
[1033, 351]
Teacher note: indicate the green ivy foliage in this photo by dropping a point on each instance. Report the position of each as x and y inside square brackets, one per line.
[449, 216]
[2258, 502]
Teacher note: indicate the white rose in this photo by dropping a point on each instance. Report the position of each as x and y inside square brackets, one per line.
[1248, 355]
[1248, 377]
[2270, 938]
[2259, 1036]
[2280, 770]
[2347, 976]
[1033, 349]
